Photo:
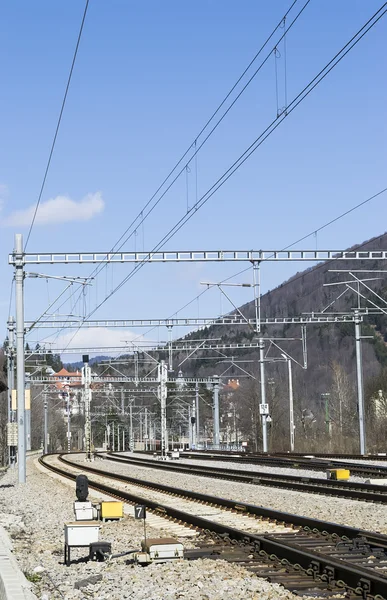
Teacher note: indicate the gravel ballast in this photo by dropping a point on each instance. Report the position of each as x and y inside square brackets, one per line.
[34, 514]
[354, 513]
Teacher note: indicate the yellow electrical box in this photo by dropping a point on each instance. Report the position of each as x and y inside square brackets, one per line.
[339, 474]
[111, 510]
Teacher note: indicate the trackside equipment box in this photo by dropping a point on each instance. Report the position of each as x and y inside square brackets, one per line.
[81, 533]
[83, 511]
[160, 550]
[111, 510]
[338, 474]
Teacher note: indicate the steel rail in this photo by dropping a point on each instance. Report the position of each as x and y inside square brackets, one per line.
[298, 455]
[366, 581]
[313, 465]
[359, 491]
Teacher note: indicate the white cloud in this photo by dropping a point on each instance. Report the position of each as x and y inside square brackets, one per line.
[60, 209]
[98, 337]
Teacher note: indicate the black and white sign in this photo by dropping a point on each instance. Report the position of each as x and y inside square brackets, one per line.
[139, 511]
[263, 409]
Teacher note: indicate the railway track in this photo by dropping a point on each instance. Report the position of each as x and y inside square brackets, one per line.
[351, 457]
[305, 555]
[358, 491]
[313, 464]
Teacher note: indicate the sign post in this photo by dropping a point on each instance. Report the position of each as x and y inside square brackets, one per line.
[140, 513]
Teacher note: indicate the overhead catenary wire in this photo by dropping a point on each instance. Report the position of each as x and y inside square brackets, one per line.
[58, 123]
[273, 126]
[297, 100]
[194, 145]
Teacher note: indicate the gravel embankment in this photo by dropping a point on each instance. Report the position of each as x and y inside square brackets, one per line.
[33, 515]
[353, 513]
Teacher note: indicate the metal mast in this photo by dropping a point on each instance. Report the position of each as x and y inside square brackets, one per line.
[19, 288]
[162, 391]
[11, 380]
[86, 380]
[263, 394]
[216, 435]
[360, 389]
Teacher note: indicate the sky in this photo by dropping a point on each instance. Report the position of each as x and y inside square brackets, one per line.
[147, 77]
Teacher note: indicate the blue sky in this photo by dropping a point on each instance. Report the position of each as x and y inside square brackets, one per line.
[147, 77]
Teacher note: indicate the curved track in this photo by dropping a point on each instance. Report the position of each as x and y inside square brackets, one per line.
[332, 554]
[358, 491]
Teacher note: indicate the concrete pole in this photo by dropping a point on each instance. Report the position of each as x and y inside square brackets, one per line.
[11, 381]
[45, 444]
[291, 407]
[360, 388]
[189, 427]
[194, 424]
[263, 392]
[216, 435]
[68, 424]
[86, 380]
[146, 428]
[19, 294]
[131, 445]
[27, 414]
[123, 439]
[113, 440]
[163, 378]
[197, 414]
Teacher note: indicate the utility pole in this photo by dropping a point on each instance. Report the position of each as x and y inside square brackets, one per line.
[360, 388]
[146, 428]
[86, 380]
[235, 427]
[162, 392]
[68, 424]
[216, 436]
[19, 294]
[45, 441]
[113, 439]
[263, 393]
[27, 414]
[190, 426]
[122, 401]
[131, 442]
[291, 407]
[11, 383]
[123, 439]
[193, 419]
[197, 414]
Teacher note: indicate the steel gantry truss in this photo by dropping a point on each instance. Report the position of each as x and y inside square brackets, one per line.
[226, 320]
[18, 259]
[52, 258]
